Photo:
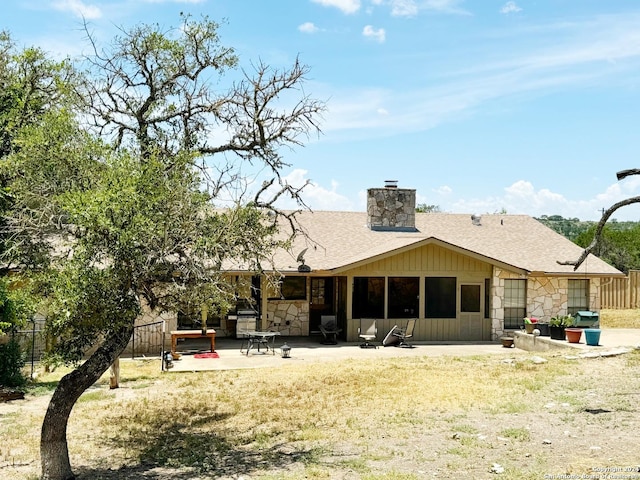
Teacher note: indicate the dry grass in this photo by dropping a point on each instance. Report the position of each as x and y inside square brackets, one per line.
[620, 318]
[244, 420]
[396, 419]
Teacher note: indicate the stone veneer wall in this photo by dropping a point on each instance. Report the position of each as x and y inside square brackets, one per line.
[546, 297]
[497, 308]
[290, 316]
[391, 208]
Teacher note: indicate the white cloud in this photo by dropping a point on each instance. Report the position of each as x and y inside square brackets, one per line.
[370, 32]
[444, 190]
[580, 58]
[346, 6]
[404, 8]
[314, 195]
[411, 8]
[175, 1]
[510, 7]
[382, 111]
[78, 8]
[308, 27]
[445, 6]
[522, 198]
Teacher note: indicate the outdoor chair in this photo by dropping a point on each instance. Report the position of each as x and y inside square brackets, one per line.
[402, 334]
[243, 327]
[329, 329]
[368, 331]
[390, 339]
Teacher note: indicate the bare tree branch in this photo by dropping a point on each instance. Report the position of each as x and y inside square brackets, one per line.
[605, 217]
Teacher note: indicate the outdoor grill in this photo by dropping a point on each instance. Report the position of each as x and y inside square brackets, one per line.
[246, 321]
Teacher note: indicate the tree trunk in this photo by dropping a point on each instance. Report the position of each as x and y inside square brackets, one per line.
[54, 452]
[114, 374]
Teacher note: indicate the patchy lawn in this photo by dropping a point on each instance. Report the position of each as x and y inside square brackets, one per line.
[404, 418]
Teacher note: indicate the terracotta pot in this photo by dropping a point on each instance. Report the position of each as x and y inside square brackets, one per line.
[573, 334]
[529, 327]
[507, 342]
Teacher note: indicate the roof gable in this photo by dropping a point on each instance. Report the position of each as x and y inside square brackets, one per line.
[340, 240]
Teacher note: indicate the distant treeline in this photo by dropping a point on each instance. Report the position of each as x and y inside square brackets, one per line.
[620, 245]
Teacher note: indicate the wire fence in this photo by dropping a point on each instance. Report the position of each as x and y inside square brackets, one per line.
[147, 339]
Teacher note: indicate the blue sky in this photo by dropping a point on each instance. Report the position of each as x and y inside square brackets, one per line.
[530, 106]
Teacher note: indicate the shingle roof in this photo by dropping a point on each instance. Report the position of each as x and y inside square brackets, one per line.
[340, 240]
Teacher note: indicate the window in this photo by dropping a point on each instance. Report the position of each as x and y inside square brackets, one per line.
[515, 303]
[368, 297]
[318, 294]
[293, 288]
[440, 297]
[470, 298]
[403, 297]
[578, 298]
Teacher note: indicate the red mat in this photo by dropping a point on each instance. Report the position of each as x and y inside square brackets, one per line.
[207, 355]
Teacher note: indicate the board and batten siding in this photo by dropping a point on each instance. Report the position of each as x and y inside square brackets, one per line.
[428, 260]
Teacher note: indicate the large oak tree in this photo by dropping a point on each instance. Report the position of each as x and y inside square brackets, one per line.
[115, 185]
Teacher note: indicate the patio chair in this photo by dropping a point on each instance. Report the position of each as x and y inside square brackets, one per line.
[404, 333]
[390, 339]
[368, 331]
[329, 329]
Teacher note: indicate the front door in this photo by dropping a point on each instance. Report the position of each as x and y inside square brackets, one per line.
[321, 301]
[471, 312]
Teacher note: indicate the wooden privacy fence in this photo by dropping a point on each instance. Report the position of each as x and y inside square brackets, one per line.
[621, 293]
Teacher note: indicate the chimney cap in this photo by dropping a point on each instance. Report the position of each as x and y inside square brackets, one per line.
[391, 184]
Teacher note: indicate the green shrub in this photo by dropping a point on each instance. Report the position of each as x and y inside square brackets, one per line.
[11, 362]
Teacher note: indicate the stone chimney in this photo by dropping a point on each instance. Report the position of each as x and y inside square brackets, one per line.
[391, 208]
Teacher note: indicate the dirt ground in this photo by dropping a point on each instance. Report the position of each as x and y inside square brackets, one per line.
[581, 425]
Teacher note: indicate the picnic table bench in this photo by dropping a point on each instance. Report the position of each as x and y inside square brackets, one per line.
[176, 334]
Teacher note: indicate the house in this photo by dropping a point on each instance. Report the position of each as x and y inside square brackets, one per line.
[464, 277]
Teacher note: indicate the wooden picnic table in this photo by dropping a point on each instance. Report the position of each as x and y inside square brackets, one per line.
[176, 334]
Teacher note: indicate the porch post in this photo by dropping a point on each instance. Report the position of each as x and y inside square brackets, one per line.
[349, 303]
[264, 305]
[421, 307]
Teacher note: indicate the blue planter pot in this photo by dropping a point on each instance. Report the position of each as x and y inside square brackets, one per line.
[592, 336]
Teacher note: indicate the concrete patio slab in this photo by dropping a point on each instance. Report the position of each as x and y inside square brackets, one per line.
[309, 350]
[611, 338]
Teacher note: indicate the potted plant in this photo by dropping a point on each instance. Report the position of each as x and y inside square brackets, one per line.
[530, 324]
[573, 334]
[557, 326]
[543, 326]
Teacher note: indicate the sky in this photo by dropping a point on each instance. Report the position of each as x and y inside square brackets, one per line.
[481, 106]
